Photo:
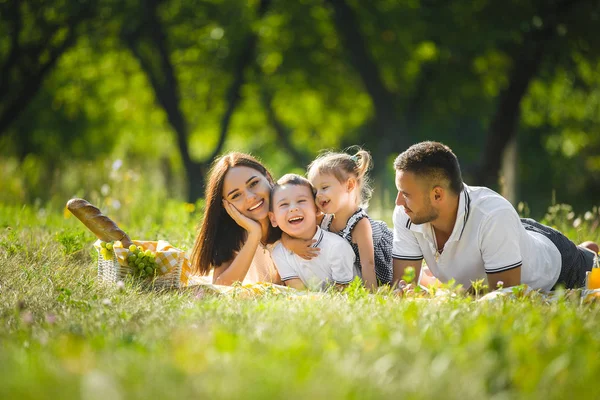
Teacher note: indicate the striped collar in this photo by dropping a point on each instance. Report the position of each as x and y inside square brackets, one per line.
[464, 208]
[318, 237]
[462, 215]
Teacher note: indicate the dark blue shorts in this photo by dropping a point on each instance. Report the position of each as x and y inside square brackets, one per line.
[576, 261]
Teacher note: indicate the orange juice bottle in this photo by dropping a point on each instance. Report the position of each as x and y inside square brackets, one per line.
[593, 277]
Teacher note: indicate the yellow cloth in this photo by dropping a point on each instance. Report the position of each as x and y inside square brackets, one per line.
[203, 284]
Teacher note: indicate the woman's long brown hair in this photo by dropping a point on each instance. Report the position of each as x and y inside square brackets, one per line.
[220, 236]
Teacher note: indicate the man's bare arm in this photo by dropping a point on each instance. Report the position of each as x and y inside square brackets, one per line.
[401, 265]
[509, 278]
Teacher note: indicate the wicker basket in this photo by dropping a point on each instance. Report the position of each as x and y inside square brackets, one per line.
[112, 272]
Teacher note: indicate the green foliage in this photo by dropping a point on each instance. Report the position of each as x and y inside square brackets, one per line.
[356, 290]
[579, 227]
[409, 275]
[479, 287]
[444, 68]
[9, 242]
[71, 241]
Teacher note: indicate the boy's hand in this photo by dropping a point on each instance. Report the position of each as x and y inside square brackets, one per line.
[302, 247]
[403, 288]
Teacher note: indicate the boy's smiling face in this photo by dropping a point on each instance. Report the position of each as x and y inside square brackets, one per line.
[294, 211]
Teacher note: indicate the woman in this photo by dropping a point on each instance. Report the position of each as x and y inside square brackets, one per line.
[235, 234]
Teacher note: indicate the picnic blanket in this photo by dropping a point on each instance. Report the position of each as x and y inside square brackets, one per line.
[204, 285]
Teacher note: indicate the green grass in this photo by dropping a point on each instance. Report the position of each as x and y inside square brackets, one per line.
[64, 335]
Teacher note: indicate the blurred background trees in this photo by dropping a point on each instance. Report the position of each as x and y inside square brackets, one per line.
[166, 85]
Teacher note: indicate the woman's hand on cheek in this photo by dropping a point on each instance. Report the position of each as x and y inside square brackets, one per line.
[250, 225]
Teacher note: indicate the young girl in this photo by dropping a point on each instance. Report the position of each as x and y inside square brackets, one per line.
[343, 190]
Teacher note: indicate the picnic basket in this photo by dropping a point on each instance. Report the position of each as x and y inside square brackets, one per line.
[175, 261]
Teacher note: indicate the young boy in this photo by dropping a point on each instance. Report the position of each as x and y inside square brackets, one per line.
[293, 209]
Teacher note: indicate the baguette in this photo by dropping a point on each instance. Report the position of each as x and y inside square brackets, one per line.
[103, 227]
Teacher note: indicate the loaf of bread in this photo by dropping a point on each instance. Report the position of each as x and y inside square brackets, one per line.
[103, 227]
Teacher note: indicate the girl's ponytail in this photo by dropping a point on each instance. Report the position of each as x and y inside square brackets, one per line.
[363, 161]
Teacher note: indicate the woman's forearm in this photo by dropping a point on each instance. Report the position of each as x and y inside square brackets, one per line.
[238, 268]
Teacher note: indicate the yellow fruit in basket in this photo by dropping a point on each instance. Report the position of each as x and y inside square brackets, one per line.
[594, 279]
[140, 248]
[103, 245]
[132, 248]
[148, 253]
[109, 246]
[105, 254]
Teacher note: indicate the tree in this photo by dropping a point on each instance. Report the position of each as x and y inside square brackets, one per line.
[147, 39]
[36, 34]
[528, 56]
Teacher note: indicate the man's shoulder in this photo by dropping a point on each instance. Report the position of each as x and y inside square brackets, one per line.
[486, 202]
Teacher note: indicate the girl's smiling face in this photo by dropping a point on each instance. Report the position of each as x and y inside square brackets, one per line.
[331, 193]
[248, 191]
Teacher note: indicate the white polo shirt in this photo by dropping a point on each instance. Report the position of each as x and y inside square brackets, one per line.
[334, 264]
[488, 237]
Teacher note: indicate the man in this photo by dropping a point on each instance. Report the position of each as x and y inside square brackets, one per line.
[469, 233]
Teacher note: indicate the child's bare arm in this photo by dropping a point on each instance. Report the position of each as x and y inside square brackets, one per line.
[295, 283]
[301, 247]
[362, 234]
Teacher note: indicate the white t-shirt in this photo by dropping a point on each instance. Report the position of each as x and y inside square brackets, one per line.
[488, 237]
[334, 264]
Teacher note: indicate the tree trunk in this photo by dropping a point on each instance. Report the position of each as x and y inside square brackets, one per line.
[283, 133]
[527, 63]
[509, 172]
[245, 59]
[166, 88]
[16, 96]
[387, 126]
[503, 127]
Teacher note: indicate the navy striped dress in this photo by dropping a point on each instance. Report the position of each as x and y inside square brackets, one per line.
[383, 238]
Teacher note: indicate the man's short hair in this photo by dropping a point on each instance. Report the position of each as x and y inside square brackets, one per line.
[434, 161]
[291, 179]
